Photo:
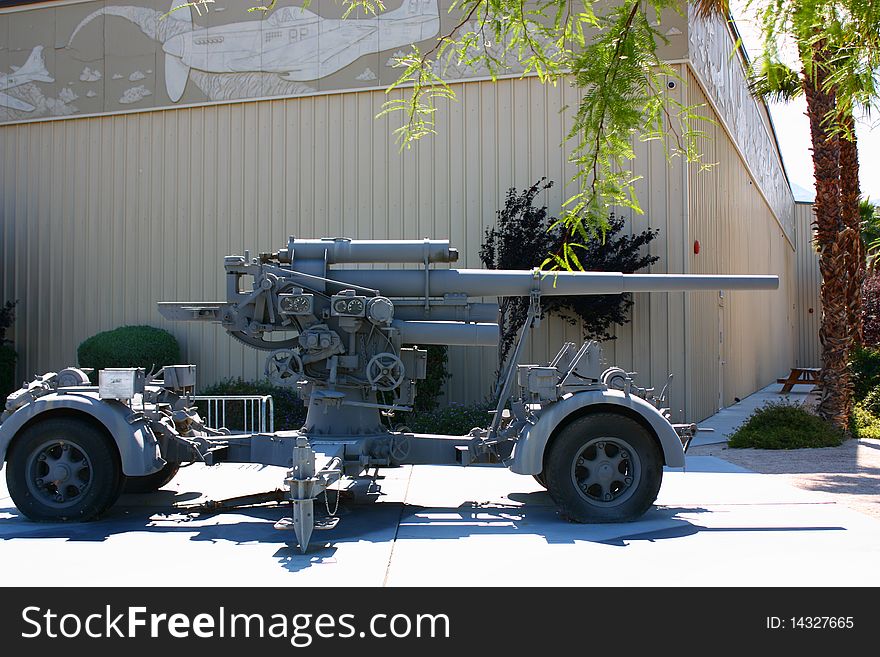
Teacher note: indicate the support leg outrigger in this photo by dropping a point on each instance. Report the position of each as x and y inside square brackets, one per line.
[304, 483]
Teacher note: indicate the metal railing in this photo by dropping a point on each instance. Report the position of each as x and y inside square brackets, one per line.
[238, 413]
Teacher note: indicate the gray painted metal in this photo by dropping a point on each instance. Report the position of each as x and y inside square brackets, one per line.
[138, 448]
[460, 312]
[448, 333]
[338, 250]
[485, 283]
[528, 454]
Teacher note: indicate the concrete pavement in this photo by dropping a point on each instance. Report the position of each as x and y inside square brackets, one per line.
[714, 525]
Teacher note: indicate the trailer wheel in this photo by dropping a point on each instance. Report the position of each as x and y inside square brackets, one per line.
[63, 469]
[604, 467]
[152, 482]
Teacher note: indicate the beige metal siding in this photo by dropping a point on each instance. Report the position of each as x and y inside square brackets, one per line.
[103, 217]
[809, 308]
[752, 339]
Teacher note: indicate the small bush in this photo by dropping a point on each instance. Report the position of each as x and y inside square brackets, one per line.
[781, 425]
[129, 346]
[864, 366]
[429, 390]
[864, 423]
[7, 352]
[7, 371]
[290, 412]
[452, 420]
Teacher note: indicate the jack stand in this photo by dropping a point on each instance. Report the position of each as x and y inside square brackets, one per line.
[303, 486]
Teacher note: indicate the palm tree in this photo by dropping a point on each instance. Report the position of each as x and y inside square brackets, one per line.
[773, 80]
[831, 240]
[852, 222]
[830, 53]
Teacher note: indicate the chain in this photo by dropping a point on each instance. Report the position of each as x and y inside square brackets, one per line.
[332, 513]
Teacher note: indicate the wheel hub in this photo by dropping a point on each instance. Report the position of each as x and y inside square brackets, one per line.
[59, 473]
[605, 470]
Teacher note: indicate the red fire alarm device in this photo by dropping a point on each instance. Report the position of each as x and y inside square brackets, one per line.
[696, 247]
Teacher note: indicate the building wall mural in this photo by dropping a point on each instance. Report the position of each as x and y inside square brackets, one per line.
[103, 56]
[93, 57]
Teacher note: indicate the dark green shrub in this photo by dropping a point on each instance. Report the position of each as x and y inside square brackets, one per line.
[526, 236]
[452, 420]
[865, 368]
[7, 352]
[429, 390]
[290, 413]
[864, 365]
[864, 424]
[781, 425]
[129, 346]
[7, 371]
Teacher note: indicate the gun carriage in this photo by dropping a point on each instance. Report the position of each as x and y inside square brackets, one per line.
[350, 340]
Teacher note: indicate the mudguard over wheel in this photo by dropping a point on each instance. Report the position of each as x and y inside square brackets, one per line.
[152, 482]
[62, 469]
[603, 467]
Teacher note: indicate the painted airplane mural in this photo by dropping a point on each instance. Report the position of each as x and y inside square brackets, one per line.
[292, 42]
[33, 70]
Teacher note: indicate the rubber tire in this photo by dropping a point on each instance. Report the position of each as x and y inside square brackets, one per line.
[152, 482]
[568, 445]
[540, 479]
[107, 477]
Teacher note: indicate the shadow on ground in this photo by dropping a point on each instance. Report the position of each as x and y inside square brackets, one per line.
[364, 518]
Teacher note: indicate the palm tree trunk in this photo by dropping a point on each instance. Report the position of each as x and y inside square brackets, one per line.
[851, 216]
[832, 245]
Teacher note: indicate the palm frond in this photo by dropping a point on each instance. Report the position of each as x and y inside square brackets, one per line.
[774, 81]
[708, 8]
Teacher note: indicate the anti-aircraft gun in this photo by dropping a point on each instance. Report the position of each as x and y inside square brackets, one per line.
[587, 432]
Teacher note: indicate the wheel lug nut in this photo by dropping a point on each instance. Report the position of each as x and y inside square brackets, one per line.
[624, 455]
[628, 480]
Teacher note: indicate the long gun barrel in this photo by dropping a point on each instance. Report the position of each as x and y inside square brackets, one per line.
[509, 283]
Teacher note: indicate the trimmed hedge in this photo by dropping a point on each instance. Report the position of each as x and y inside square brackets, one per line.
[782, 425]
[864, 365]
[428, 391]
[129, 346]
[452, 420]
[290, 412]
[865, 368]
[7, 371]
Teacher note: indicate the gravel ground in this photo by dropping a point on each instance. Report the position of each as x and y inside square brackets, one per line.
[848, 474]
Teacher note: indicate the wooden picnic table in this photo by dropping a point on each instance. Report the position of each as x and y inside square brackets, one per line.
[799, 376]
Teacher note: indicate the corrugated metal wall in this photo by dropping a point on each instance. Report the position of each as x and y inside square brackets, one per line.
[743, 341]
[103, 217]
[809, 308]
